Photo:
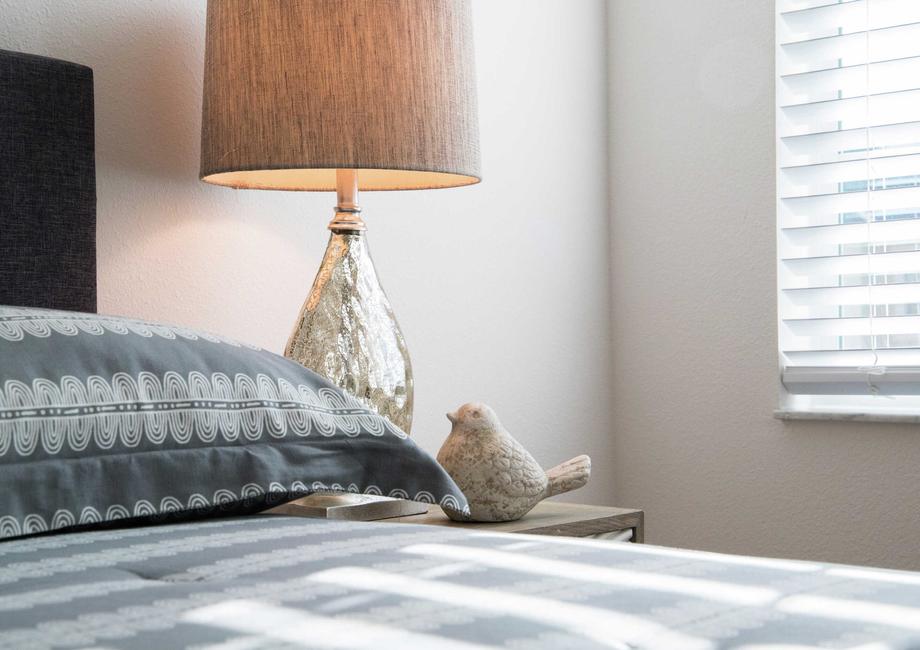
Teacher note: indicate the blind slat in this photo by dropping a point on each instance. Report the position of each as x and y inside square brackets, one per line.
[814, 298]
[817, 327]
[810, 5]
[807, 55]
[841, 34]
[852, 380]
[847, 144]
[835, 208]
[843, 264]
[848, 82]
[790, 6]
[841, 18]
[822, 237]
[850, 113]
[874, 156]
[892, 357]
[880, 172]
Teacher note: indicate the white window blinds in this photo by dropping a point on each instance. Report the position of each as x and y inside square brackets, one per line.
[848, 203]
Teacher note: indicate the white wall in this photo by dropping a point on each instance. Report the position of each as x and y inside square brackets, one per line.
[694, 316]
[501, 289]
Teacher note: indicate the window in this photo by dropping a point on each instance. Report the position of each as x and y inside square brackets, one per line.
[848, 205]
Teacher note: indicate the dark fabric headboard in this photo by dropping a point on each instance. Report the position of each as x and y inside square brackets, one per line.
[47, 183]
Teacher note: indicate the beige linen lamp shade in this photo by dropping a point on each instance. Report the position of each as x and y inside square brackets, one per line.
[296, 89]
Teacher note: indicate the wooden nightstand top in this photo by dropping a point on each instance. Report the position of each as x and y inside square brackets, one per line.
[549, 518]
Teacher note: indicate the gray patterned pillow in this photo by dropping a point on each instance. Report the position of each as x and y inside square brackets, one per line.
[105, 419]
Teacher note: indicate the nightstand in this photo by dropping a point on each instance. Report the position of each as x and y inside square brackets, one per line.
[553, 518]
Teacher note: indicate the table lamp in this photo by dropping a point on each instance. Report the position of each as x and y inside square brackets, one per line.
[342, 95]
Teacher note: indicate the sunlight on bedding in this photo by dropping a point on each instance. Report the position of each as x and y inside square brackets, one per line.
[878, 575]
[644, 550]
[599, 625]
[852, 610]
[796, 646]
[707, 589]
[300, 628]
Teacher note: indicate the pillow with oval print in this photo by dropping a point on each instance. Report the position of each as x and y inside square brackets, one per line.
[105, 419]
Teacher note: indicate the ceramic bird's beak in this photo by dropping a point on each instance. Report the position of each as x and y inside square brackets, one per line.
[452, 417]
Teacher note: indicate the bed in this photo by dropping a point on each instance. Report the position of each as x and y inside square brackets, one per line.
[281, 582]
[132, 497]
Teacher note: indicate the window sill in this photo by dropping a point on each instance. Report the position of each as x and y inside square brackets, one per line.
[848, 416]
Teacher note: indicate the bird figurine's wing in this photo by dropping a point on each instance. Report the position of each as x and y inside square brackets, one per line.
[516, 472]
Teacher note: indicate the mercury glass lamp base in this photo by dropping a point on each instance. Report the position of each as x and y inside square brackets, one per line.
[347, 332]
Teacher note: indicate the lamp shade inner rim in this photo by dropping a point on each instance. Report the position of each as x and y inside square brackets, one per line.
[324, 179]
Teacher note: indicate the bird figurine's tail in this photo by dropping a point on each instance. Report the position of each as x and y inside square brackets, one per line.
[568, 476]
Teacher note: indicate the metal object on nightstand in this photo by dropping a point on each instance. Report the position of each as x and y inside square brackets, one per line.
[348, 506]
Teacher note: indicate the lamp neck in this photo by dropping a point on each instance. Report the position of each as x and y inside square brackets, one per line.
[347, 211]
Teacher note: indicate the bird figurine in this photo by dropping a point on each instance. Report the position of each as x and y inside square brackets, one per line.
[500, 479]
